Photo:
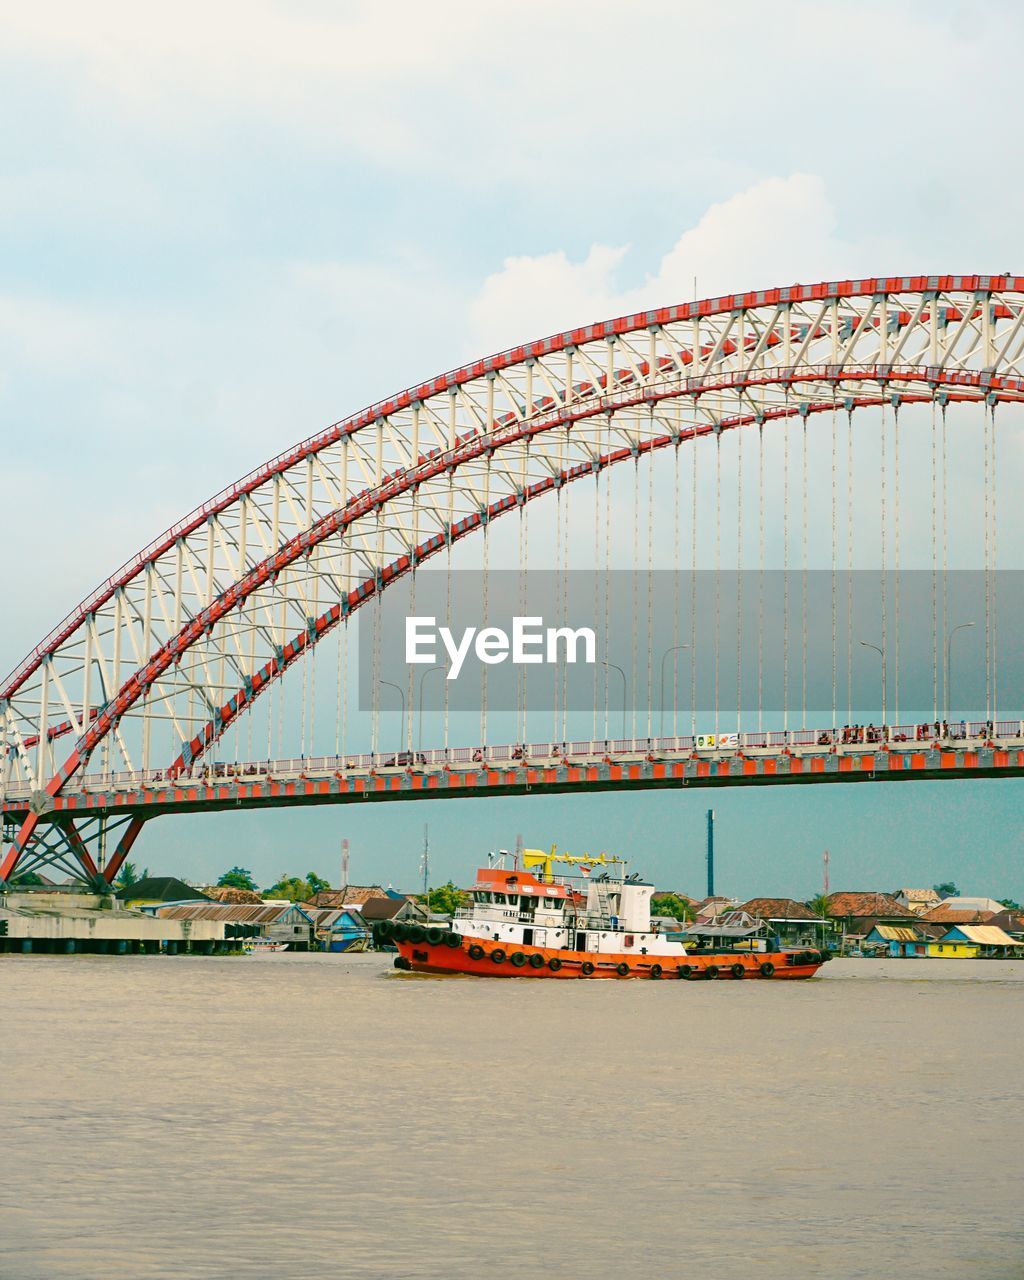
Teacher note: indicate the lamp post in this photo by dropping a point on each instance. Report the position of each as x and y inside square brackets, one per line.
[423, 678]
[881, 654]
[622, 673]
[676, 648]
[401, 693]
[962, 626]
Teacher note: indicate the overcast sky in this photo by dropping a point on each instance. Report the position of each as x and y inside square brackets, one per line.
[223, 225]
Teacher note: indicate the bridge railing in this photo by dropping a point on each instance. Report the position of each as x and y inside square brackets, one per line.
[840, 741]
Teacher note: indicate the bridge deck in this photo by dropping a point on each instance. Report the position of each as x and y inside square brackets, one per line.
[438, 775]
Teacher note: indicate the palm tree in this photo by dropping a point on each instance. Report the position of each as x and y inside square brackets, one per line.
[130, 877]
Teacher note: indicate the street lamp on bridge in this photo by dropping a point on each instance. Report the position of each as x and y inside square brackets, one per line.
[423, 680]
[676, 648]
[401, 693]
[881, 653]
[624, 693]
[949, 644]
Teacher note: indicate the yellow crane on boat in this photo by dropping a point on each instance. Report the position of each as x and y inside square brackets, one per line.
[546, 861]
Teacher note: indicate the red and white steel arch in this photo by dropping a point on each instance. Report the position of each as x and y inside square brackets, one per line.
[192, 629]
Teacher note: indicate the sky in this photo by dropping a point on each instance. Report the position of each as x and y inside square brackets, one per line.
[224, 225]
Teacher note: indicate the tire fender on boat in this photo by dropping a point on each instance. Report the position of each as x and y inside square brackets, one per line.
[711, 971]
[497, 956]
[476, 952]
[518, 959]
[622, 969]
[738, 970]
[554, 964]
[587, 968]
[536, 960]
[767, 969]
[656, 970]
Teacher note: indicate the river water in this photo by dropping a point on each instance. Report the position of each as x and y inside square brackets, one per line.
[292, 1116]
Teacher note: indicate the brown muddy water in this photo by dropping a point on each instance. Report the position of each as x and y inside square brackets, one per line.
[296, 1116]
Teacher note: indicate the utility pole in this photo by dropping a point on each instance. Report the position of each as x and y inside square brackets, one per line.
[711, 853]
[425, 862]
[825, 860]
[344, 863]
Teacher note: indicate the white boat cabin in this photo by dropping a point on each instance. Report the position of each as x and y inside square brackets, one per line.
[516, 908]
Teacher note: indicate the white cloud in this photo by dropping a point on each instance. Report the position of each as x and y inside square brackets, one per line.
[778, 232]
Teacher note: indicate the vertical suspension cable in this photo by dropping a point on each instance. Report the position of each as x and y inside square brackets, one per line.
[803, 585]
[633, 574]
[650, 580]
[835, 566]
[607, 569]
[566, 554]
[558, 579]
[945, 568]
[739, 563]
[849, 565]
[882, 526]
[935, 552]
[785, 569]
[448, 594]
[718, 562]
[675, 588]
[896, 559]
[988, 600]
[693, 587]
[486, 604]
[995, 579]
[760, 575]
[597, 569]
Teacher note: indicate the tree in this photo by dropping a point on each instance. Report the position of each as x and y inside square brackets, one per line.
[671, 904]
[819, 907]
[290, 887]
[26, 880]
[237, 878]
[1009, 904]
[947, 889]
[445, 900]
[130, 877]
[316, 883]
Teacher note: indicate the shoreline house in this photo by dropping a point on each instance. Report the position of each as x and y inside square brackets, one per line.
[986, 941]
[901, 940]
[917, 900]
[856, 913]
[793, 923]
[277, 922]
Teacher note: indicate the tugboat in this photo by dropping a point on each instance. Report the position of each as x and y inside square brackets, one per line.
[519, 924]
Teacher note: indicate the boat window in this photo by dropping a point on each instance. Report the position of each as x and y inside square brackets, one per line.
[499, 897]
[513, 898]
[529, 904]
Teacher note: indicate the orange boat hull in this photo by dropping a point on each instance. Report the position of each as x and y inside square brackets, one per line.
[480, 958]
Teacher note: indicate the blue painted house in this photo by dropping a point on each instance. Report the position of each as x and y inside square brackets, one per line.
[897, 940]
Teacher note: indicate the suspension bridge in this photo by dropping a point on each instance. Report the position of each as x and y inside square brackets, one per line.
[845, 427]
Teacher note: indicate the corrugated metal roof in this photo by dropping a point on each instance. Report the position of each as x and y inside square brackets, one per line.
[896, 933]
[230, 912]
[986, 935]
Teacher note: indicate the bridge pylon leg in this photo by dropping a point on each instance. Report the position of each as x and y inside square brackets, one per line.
[64, 848]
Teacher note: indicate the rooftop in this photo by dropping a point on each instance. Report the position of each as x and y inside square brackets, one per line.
[863, 904]
[777, 909]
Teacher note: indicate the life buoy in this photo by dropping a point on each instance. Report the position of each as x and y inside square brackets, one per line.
[738, 970]
[656, 970]
[622, 969]
[711, 971]
[497, 956]
[536, 960]
[518, 959]
[767, 969]
[435, 935]
[476, 952]
[586, 968]
[453, 940]
[554, 964]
